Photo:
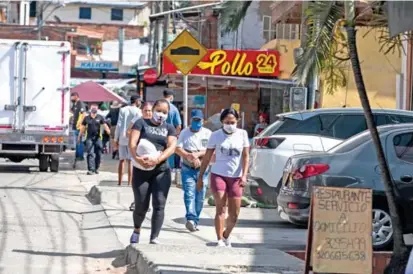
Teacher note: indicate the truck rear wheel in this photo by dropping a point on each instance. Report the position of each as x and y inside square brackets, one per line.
[54, 163]
[43, 162]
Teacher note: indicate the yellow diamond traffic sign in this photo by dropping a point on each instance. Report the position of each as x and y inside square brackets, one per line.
[185, 52]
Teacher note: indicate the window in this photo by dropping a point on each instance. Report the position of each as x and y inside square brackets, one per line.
[280, 126]
[406, 119]
[268, 29]
[327, 120]
[347, 125]
[33, 6]
[85, 13]
[117, 15]
[279, 31]
[309, 126]
[380, 119]
[287, 31]
[403, 146]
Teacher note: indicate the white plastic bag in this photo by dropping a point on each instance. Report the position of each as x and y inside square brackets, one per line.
[146, 149]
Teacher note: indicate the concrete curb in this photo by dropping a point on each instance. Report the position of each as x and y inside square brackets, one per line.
[145, 260]
[138, 263]
[94, 196]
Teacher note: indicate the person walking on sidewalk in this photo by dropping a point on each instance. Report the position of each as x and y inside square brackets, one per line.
[228, 173]
[174, 119]
[146, 114]
[126, 115]
[192, 144]
[78, 110]
[92, 126]
[151, 142]
[113, 116]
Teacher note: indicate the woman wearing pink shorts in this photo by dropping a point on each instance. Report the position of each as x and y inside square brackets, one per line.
[228, 173]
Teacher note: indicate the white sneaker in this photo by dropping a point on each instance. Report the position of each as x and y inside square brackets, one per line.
[227, 242]
[221, 243]
[154, 241]
[190, 225]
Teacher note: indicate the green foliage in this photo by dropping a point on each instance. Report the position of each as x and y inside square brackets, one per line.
[325, 52]
[232, 14]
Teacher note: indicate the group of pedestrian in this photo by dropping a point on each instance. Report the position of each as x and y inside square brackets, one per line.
[146, 140]
[152, 143]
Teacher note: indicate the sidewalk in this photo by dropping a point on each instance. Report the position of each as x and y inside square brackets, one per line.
[184, 252]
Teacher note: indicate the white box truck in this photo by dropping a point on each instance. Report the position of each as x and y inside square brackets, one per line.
[34, 101]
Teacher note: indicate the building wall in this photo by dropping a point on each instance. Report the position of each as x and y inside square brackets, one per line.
[28, 33]
[100, 15]
[219, 99]
[110, 32]
[250, 32]
[379, 72]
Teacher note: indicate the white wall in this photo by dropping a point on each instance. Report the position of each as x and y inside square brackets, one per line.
[100, 15]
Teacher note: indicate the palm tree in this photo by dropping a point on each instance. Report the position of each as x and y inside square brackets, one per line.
[232, 14]
[324, 18]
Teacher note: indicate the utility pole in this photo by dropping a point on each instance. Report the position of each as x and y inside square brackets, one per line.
[121, 40]
[39, 20]
[150, 36]
[166, 7]
[155, 40]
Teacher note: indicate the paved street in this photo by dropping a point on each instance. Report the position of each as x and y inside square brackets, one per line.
[46, 224]
[50, 227]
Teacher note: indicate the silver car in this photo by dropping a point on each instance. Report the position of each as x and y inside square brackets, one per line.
[353, 163]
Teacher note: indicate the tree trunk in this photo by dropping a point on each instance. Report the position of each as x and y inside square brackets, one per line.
[400, 254]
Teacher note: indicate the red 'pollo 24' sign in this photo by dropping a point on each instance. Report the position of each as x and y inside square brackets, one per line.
[233, 63]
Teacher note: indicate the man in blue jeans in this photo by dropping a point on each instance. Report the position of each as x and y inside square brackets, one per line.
[192, 144]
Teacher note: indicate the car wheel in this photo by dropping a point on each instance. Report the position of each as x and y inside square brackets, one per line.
[382, 233]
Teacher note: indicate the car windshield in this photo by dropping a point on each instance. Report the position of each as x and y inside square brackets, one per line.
[283, 125]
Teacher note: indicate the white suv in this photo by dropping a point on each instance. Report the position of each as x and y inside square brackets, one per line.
[307, 131]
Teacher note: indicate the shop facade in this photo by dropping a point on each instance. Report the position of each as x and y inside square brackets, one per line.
[244, 79]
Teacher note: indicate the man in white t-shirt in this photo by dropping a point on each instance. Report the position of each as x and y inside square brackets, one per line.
[192, 144]
[126, 115]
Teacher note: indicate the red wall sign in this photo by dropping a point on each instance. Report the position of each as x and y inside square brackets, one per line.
[150, 76]
[233, 63]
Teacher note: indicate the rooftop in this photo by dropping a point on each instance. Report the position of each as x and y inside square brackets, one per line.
[120, 4]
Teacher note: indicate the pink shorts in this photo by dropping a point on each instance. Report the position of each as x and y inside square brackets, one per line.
[231, 186]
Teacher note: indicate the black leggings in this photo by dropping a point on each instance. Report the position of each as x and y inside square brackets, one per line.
[156, 182]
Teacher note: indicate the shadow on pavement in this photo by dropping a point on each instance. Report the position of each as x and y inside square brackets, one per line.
[112, 183]
[246, 223]
[15, 168]
[104, 255]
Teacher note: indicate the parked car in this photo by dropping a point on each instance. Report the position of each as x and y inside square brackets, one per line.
[353, 163]
[307, 131]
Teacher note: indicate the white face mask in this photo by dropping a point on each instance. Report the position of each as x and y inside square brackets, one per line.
[230, 128]
[159, 117]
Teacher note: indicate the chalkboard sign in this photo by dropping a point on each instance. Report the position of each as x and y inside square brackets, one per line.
[340, 230]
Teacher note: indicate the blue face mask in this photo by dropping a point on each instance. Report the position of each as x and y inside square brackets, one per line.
[196, 125]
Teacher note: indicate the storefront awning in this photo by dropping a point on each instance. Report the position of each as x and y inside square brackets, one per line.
[93, 92]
